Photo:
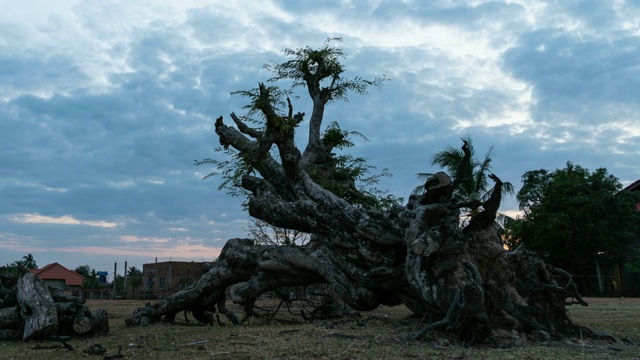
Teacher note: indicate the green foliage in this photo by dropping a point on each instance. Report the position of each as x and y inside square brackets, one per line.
[350, 177]
[324, 63]
[573, 216]
[20, 267]
[230, 171]
[16, 268]
[351, 180]
[91, 281]
[84, 270]
[346, 176]
[338, 138]
[119, 288]
[29, 262]
[134, 278]
[90, 277]
[271, 95]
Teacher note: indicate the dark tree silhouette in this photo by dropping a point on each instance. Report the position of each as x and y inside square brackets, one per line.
[29, 262]
[577, 217]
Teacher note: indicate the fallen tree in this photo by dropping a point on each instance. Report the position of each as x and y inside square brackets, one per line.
[29, 309]
[417, 254]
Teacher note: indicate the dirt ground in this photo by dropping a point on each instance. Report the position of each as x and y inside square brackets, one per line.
[610, 301]
[379, 334]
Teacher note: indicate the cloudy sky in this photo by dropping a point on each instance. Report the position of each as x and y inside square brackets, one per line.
[105, 105]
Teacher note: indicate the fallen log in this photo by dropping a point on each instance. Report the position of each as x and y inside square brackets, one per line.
[9, 334]
[10, 318]
[8, 284]
[10, 322]
[97, 323]
[36, 308]
[30, 309]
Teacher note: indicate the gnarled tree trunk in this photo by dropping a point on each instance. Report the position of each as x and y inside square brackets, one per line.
[416, 254]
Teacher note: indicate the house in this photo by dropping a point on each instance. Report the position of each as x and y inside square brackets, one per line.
[631, 274]
[161, 279]
[635, 186]
[56, 275]
[610, 279]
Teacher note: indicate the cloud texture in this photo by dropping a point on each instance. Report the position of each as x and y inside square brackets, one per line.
[105, 105]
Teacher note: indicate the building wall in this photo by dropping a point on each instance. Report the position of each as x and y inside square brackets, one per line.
[168, 277]
[59, 283]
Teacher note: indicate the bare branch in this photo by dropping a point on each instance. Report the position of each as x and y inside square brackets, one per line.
[256, 134]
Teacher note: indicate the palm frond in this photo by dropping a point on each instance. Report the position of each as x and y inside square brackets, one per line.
[448, 159]
[508, 189]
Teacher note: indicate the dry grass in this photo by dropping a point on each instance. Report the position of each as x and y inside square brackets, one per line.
[379, 334]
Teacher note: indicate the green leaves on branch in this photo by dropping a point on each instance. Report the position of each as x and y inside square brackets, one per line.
[351, 177]
[231, 171]
[322, 65]
[271, 96]
[20, 267]
[321, 71]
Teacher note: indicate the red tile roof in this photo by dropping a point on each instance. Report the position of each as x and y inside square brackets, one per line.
[634, 186]
[56, 271]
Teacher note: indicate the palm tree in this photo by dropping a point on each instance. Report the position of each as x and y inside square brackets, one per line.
[83, 270]
[29, 262]
[17, 268]
[135, 276]
[475, 186]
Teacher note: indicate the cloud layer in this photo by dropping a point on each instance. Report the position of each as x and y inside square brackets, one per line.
[104, 106]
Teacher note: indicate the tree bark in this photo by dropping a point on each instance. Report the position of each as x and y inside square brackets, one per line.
[44, 311]
[97, 323]
[10, 322]
[36, 307]
[9, 334]
[415, 255]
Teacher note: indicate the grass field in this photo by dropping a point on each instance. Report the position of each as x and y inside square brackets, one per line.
[380, 334]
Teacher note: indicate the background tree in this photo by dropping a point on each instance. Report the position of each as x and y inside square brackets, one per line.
[90, 276]
[84, 270]
[119, 288]
[16, 268]
[29, 262]
[265, 234]
[576, 217]
[134, 276]
[416, 254]
[20, 267]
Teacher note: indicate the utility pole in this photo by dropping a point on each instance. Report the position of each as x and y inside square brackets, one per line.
[125, 279]
[170, 271]
[115, 276]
